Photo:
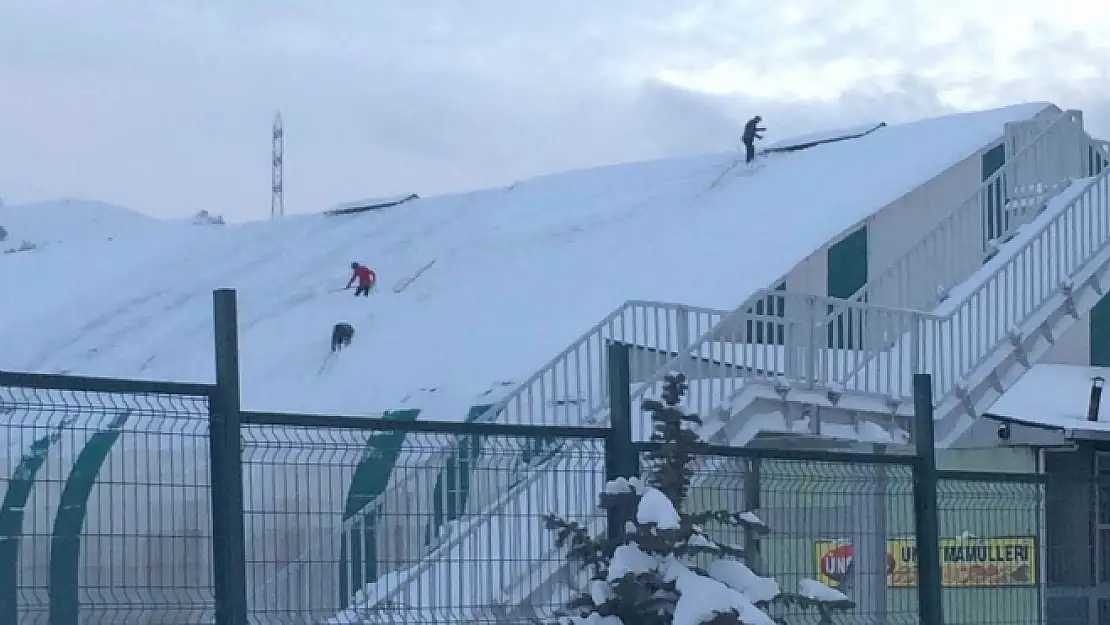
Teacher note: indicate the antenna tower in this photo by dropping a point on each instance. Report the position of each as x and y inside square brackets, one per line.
[277, 198]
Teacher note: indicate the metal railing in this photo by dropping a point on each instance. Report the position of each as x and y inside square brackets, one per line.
[819, 340]
[571, 386]
[1016, 287]
[951, 247]
[959, 244]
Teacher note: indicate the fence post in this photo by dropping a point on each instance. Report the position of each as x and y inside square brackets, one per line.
[926, 521]
[225, 460]
[752, 494]
[621, 458]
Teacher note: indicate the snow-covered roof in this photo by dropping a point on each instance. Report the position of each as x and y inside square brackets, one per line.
[71, 220]
[1055, 396]
[517, 274]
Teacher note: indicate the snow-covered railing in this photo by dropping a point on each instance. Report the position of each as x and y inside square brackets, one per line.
[1034, 171]
[573, 385]
[817, 341]
[942, 257]
[1039, 264]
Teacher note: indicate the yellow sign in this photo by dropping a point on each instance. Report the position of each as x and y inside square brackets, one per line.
[965, 563]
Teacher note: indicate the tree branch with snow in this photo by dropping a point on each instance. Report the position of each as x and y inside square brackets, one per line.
[648, 574]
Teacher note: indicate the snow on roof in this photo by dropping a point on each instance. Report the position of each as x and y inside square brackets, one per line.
[69, 220]
[519, 273]
[1054, 396]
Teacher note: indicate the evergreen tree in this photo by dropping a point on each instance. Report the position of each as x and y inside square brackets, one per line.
[649, 574]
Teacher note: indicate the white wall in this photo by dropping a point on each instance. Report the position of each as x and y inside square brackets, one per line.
[896, 228]
[899, 226]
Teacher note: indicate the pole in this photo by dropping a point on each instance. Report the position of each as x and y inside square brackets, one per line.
[228, 545]
[926, 518]
[621, 458]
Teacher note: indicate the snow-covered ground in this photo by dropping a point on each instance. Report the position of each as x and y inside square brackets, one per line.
[518, 273]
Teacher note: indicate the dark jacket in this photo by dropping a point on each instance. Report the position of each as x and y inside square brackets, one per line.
[752, 129]
[341, 335]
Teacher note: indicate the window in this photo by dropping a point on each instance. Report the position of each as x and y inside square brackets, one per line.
[847, 274]
[768, 332]
[1097, 162]
[1100, 333]
[994, 203]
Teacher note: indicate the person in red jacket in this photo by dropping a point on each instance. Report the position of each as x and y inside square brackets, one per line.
[366, 279]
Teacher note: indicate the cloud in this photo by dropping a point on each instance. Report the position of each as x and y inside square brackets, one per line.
[166, 106]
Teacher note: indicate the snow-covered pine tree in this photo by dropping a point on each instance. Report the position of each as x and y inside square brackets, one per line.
[649, 575]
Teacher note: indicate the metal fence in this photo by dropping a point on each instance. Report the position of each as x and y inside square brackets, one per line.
[106, 509]
[147, 502]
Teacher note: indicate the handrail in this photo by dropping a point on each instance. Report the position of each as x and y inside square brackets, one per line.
[811, 352]
[1094, 148]
[1044, 267]
[948, 252]
[511, 408]
[956, 261]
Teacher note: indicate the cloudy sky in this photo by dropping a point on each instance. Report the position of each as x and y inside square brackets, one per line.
[165, 106]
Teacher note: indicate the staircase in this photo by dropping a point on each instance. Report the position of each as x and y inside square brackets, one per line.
[968, 304]
[799, 357]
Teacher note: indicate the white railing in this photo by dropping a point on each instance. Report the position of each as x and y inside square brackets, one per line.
[818, 341]
[959, 244]
[1045, 157]
[573, 384]
[1015, 287]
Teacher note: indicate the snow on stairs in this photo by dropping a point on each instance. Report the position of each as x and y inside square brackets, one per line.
[989, 331]
[1044, 156]
[1054, 271]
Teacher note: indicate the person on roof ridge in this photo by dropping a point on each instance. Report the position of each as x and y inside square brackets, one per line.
[751, 133]
[365, 276]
